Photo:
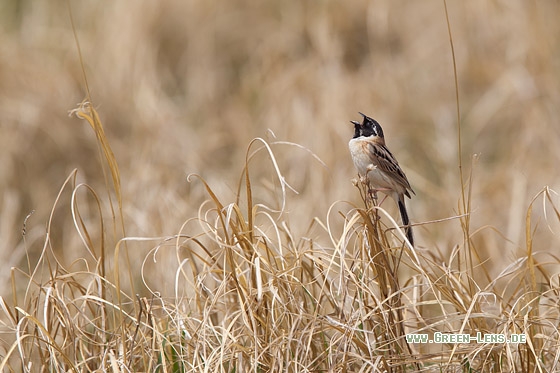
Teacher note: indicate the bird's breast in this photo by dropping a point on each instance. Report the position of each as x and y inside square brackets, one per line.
[360, 155]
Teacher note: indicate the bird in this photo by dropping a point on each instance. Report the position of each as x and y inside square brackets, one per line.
[377, 165]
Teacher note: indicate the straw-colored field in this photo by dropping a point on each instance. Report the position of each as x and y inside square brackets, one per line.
[266, 258]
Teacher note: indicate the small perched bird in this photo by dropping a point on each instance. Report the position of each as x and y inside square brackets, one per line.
[380, 168]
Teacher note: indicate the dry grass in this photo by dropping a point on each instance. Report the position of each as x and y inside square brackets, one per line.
[267, 258]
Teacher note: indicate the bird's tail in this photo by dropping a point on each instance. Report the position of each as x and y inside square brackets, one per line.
[405, 221]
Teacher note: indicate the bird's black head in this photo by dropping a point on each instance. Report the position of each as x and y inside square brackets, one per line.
[369, 127]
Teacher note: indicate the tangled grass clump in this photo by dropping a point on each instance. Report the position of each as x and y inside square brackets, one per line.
[251, 296]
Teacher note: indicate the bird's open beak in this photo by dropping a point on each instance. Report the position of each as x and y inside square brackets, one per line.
[354, 122]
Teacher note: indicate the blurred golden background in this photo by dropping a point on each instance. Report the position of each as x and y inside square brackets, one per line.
[184, 86]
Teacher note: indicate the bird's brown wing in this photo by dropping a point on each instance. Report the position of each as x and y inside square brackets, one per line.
[381, 157]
